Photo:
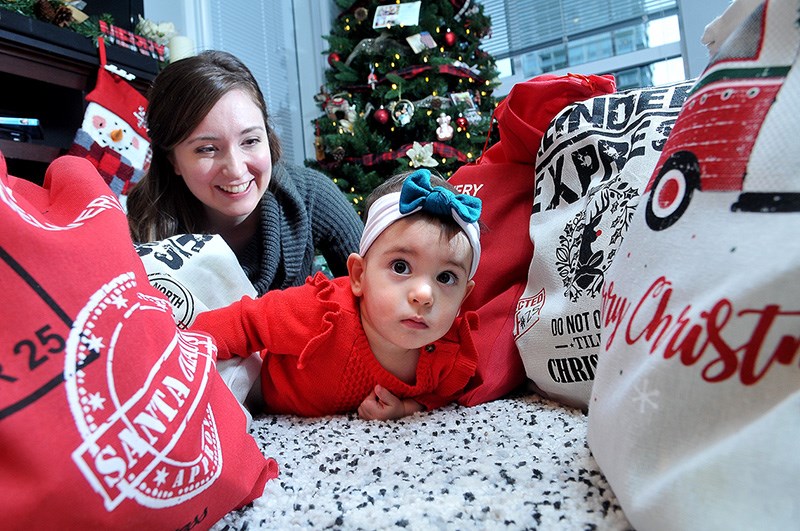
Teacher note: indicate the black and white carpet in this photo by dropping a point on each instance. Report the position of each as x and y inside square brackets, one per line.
[515, 463]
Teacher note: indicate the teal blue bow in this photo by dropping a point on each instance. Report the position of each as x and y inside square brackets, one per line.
[439, 201]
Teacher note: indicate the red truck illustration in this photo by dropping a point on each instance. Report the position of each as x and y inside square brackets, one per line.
[718, 141]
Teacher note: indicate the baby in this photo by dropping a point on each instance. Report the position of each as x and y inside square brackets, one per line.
[386, 340]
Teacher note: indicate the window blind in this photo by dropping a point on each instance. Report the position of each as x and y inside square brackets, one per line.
[519, 26]
[257, 33]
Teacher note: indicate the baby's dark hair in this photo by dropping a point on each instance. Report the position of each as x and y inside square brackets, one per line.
[395, 184]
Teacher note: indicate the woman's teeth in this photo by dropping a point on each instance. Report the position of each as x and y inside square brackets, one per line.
[237, 189]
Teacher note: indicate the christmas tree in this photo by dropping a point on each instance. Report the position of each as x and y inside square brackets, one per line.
[408, 87]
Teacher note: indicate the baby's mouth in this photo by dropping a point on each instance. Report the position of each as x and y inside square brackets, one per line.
[415, 323]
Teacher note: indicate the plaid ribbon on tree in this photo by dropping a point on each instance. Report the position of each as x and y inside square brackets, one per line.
[458, 71]
[414, 71]
[370, 159]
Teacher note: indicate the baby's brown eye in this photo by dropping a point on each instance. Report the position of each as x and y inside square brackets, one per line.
[447, 278]
[400, 267]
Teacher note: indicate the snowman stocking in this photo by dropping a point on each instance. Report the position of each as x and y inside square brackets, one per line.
[113, 136]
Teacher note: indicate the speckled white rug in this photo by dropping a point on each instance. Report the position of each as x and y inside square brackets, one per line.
[516, 463]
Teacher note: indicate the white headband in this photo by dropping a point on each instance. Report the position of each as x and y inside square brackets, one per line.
[386, 210]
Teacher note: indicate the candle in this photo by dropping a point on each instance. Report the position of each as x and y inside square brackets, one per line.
[180, 47]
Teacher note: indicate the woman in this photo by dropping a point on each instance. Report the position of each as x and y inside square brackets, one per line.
[216, 169]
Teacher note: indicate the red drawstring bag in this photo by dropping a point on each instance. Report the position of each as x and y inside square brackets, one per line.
[504, 179]
[110, 416]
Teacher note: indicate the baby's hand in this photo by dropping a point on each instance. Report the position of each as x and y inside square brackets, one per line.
[383, 405]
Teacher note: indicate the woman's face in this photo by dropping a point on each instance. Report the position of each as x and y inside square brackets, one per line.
[226, 161]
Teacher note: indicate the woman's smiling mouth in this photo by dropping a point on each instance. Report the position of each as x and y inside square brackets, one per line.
[235, 189]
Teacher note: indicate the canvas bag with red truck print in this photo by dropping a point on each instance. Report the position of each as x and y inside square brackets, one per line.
[110, 416]
[694, 416]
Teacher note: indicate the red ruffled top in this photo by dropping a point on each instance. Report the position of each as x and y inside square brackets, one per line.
[317, 360]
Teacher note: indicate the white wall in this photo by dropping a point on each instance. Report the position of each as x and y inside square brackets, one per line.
[175, 12]
[695, 15]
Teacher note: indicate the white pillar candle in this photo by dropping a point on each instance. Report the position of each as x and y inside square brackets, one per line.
[180, 47]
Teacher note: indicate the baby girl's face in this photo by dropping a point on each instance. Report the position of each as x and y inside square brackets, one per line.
[413, 284]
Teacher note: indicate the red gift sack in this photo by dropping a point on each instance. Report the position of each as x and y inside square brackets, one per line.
[504, 180]
[110, 416]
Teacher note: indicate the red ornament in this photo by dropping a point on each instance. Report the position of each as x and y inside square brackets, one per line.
[462, 122]
[381, 116]
[333, 57]
[449, 38]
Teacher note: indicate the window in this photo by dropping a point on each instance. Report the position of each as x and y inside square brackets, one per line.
[623, 36]
[519, 27]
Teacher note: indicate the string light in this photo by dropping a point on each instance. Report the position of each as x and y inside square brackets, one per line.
[394, 86]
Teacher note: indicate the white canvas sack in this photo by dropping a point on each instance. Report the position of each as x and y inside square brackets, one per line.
[594, 161]
[694, 416]
[199, 272]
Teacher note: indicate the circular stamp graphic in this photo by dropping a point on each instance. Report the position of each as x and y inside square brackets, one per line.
[136, 441]
[178, 295]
